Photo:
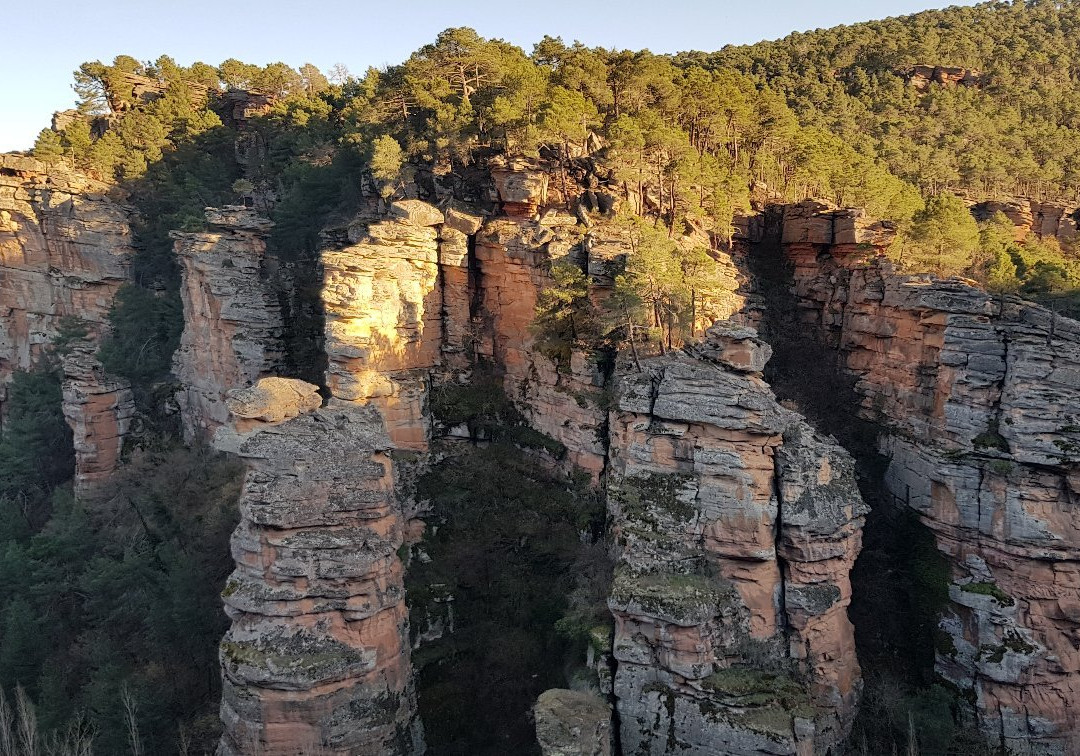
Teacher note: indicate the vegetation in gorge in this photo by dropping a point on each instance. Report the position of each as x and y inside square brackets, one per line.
[111, 617]
[513, 572]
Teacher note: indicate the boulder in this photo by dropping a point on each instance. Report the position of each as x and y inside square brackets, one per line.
[416, 212]
[734, 346]
[572, 723]
[273, 400]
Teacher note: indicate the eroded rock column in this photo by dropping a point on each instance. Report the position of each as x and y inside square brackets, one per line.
[65, 249]
[384, 308]
[99, 408]
[737, 528]
[316, 659]
[232, 320]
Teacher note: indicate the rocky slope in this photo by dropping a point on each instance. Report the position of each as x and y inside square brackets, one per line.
[65, 249]
[979, 401]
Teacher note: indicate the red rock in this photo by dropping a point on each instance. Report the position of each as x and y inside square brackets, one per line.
[984, 395]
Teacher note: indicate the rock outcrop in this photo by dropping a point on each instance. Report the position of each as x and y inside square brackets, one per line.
[573, 723]
[316, 660]
[384, 315]
[65, 249]
[233, 330]
[737, 527]
[99, 408]
[1029, 217]
[273, 400]
[921, 76]
[979, 399]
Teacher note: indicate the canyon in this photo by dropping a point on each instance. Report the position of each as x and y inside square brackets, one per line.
[734, 524]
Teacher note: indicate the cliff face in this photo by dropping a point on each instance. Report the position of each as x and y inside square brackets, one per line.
[315, 660]
[65, 248]
[514, 257]
[979, 397]
[422, 295]
[384, 316]
[99, 408]
[232, 321]
[1044, 220]
[737, 527]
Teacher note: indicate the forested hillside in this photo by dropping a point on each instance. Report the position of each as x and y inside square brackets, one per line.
[1011, 126]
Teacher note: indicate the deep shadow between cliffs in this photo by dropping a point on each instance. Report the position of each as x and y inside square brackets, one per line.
[899, 581]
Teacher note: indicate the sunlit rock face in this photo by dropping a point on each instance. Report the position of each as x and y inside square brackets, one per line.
[562, 397]
[65, 249]
[384, 316]
[737, 527]
[562, 400]
[1032, 218]
[99, 408]
[232, 320]
[316, 659]
[980, 399]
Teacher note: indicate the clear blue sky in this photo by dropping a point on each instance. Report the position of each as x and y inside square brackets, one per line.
[44, 42]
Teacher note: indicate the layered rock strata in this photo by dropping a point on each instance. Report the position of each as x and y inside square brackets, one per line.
[737, 527]
[65, 249]
[99, 408]
[384, 315]
[1043, 220]
[316, 659]
[562, 400]
[233, 330]
[980, 396]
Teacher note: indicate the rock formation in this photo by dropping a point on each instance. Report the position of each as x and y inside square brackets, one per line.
[737, 527]
[384, 315]
[572, 723]
[99, 408]
[65, 249]
[316, 659]
[232, 321]
[921, 76]
[979, 399]
[1043, 220]
[421, 295]
[514, 256]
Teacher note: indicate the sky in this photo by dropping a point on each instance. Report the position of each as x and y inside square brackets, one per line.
[44, 42]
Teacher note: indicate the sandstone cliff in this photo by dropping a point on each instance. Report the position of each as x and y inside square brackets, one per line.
[422, 296]
[99, 408]
[232, 321]
[316, 659]
[384, 315]
[65, 249]
[979, 400]
[737, 527]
